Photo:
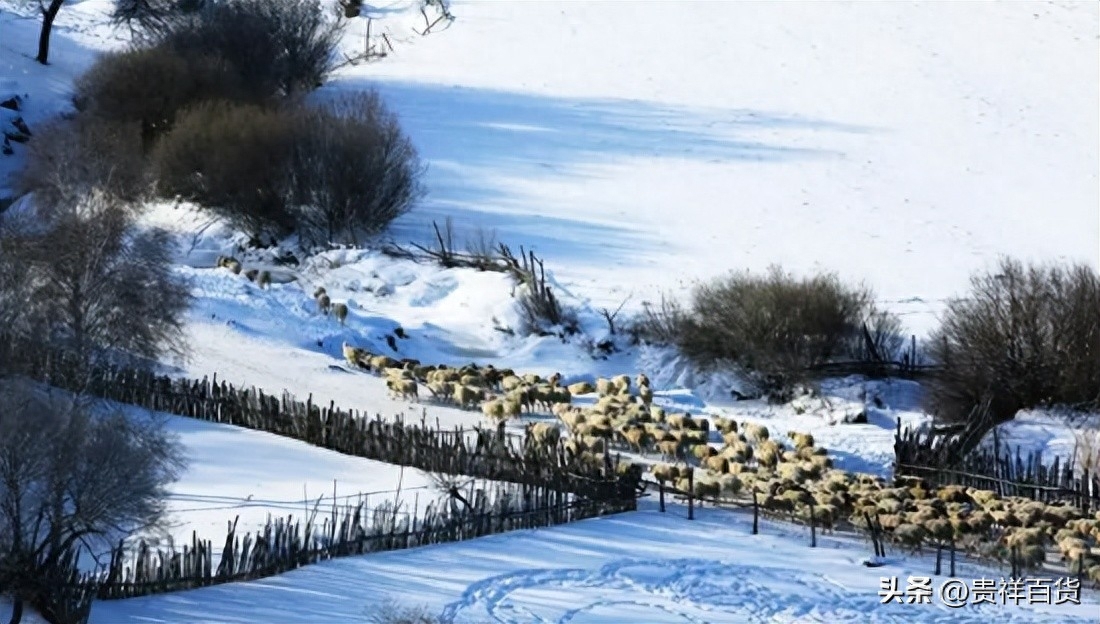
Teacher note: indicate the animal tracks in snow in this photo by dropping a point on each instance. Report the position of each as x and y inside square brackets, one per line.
[696, 591]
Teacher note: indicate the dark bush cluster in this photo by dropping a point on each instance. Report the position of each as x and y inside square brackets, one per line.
[1023, 337]
[209, 107]
[775, 326]
[343, 169]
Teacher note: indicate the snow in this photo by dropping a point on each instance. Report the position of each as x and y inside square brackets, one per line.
[658, 568]
[240, 473]
[637, 148]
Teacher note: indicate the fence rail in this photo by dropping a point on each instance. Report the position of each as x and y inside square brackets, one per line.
[492, 454]
[938, 457]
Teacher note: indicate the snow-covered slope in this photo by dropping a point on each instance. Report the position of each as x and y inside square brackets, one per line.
[655, 568]
[636, 147]
[644, 145]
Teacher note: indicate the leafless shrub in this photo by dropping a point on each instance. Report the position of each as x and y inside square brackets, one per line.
[71, 479]
[277, 47]
[1025, 336]
[67, 158]
[353, 170]
[150, 86]
[150, 18]
[777, 327]
[660, 324]
[391, 611]
[99, 285]
[233, 159]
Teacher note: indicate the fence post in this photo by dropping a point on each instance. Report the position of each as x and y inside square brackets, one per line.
[691, 495]
[661, 494]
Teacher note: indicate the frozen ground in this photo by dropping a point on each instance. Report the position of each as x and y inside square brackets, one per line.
[657, 568]
[636, 147]
[234, 472]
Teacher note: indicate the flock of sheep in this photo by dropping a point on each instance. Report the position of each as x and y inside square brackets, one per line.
[262, 278]
[792, 477]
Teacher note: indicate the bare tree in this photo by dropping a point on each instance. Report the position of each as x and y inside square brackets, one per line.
[1025, 336]
[72, 479]
[103, 286]
[153, 17]
[278, 47]
[68, 158]
[49, 14]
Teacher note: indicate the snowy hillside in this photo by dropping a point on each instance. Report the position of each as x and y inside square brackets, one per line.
[637, 147]
[657, 568]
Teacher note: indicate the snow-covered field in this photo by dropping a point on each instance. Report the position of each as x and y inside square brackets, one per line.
[636, 147]
[637, 567]
[249, 475]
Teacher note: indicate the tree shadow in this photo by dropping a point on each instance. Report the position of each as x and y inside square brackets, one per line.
[482, 144]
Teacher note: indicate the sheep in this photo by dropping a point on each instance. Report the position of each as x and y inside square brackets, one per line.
[645, 393]
[733, 438]
[621, 384]
[707, 488]
[353, 355]
[581, 387]
[801, 440]
[443, 390]
[545, 434]
[754, 432]
[604, 386]
[635, 436]
[340, 311]
[669, 449]
[677, 421]
[466, 396]
[231, 263]
[264, 279]
[641, 380]
[320, 291]
[494, 409]
[767, 453]
[251, 274]
[323, 304]
[657, 414]
[953, 494]
[510, 382]
[666, 472]
[379, 363]
[911, 535]
[725, 426]
[403, 388]
[981, 497]
[703, 451]
[717, 464]
[531, 379]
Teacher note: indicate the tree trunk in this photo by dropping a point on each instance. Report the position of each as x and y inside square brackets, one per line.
[16, 609]
[48, 16]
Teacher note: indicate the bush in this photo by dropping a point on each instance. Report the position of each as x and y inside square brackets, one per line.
[149, 86]
[277, 47]
[69, 157]
[391, 612]
[101, 286]
[777, 327]
[71, 479]
[344, 170]
[354, 171]
[233, 159]
[1024, 337]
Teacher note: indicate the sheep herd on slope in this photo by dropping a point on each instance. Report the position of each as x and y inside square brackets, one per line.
[794, 478]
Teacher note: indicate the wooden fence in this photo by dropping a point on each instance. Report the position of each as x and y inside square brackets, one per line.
[482, 453]
[285, 544]
[937, 457]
